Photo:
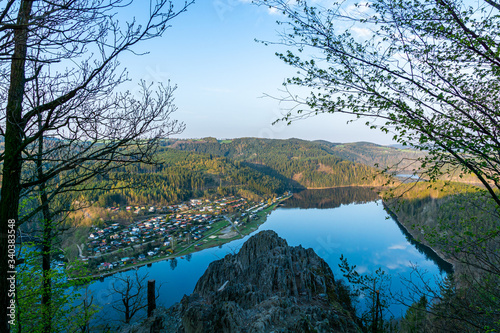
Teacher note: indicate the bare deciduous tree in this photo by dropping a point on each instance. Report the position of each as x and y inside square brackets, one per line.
[62, 117]
[132, 294]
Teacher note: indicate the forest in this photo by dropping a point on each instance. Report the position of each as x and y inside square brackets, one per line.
[248, 167]
[181, 176]
[460, 223]
[303, 163]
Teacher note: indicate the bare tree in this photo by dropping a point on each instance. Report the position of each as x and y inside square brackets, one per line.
[60, 74]
[132, 292]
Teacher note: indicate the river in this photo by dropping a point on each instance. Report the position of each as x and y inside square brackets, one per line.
[345, 221]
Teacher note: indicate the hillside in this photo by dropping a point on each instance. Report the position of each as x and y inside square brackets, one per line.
[302, 163]
[293, 163]
[249, 167]
[453, 218]
[376, 155]
[181, 176]
[460, 223]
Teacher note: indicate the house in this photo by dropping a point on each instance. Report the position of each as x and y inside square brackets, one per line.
[105, 265]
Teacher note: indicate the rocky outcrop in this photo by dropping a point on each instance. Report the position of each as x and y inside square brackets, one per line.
[267, 286]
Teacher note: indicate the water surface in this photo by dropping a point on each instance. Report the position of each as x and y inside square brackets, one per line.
[334, 222]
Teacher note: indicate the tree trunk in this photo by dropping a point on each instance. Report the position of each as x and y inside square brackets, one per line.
[9, 201]
[46, 302]
[151, 297]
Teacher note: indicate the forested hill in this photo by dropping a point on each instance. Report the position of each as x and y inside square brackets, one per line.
[184, 175]
[301, 163]
[249, 167]
[376, 155]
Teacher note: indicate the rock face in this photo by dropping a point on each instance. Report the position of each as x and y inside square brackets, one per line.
[267, 287]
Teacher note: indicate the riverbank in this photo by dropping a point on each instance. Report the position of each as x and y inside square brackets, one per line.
[429, 250]
[216, 238]
[341, 186]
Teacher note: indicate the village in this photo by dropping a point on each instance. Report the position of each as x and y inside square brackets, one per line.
[172, 231]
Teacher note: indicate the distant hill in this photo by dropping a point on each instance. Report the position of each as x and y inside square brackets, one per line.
[376, 155]
[250, 167]
[302, 163]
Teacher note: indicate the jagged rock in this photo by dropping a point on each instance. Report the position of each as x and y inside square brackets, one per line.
[267, 287]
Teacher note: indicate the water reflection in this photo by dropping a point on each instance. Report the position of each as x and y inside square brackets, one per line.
[348, 221]
[330, 198]
[444, 266]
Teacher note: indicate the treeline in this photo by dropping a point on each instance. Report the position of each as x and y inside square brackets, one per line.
[461, 223]
[248, 166]
[330, 198]
[303, 163]
[446, 214]
[181, 176]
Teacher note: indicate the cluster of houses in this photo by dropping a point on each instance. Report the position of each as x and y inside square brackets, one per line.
[185, 222]
[138, 209]
[188, 221]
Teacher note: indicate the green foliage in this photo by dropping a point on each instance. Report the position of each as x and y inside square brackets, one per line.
[68, 314]
[461, 222]
[428, 72]
[425, 71]
[456, 218]
[373, 288]
[415, 319]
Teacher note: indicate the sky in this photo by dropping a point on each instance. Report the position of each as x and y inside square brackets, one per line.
[223, 76]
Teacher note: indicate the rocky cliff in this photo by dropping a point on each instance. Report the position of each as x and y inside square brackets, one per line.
[267, 286]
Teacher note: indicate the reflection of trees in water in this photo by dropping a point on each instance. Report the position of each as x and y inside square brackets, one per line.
[331, 197]
[429, 254]
[173, 263]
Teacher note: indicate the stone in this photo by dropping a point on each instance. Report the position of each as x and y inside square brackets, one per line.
[267, 286]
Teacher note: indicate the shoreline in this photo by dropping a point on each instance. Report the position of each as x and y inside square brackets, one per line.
[248, 229]
[251, 227]
[411, 233]
[340, 186]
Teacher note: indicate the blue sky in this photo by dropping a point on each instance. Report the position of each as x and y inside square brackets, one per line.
[222, 75]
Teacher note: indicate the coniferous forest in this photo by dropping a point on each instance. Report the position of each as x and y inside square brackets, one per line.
[259, 167]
